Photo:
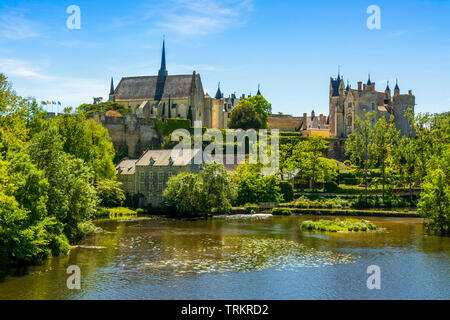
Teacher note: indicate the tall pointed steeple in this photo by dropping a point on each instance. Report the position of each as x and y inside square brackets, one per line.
[259, 90]
[162, 75]
[369, 82]
[163, 70]
[111, 91]
[218, 93]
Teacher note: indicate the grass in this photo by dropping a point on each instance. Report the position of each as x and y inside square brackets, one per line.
[116, 212]
[347, 225]
[281, 212]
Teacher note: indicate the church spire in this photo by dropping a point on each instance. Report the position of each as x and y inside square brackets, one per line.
[162, 75]
[163, 70]
[369, 82]
[111, 91]
[259, 90]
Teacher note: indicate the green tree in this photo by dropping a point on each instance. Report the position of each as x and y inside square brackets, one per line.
[252, 187]
[72, 197]
[384, 138]
[434, 203]
[185, 195]
[89, 141]
[358, 145]
[307, 158]
[244, 116]
[219, 188]
[110, 193]
[87, 109]
[262, 107]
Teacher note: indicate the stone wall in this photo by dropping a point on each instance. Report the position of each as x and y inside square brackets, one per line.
[130, 134]
[285, 122]
[336, 150]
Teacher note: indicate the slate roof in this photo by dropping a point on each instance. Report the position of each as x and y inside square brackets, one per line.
[126, 166]
[162, 158]
[144, 88]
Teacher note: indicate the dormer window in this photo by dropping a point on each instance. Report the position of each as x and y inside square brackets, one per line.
[170, 162]
[152, 162]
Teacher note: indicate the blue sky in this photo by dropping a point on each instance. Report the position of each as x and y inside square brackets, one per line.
[290, 47]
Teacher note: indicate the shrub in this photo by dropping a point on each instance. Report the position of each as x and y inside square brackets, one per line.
[331, 186]
[287, 191]
[281, 212]
[140, 211]
[251, 208]
[351, 225]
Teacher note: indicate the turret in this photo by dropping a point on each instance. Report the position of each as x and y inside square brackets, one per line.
[397, 89]
[219, 94]
[387, 92]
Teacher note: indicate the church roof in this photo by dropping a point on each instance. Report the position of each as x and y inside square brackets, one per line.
[144, 88]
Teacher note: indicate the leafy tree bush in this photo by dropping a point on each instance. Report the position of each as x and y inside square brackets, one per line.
[185, 195]
[434, 204]
[281, 212]
[244, 116]
[251, 208]
[287, 191]
[252, 187]
[219, 188]
[110, 193]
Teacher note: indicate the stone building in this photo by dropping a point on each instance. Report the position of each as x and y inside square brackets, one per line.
[164, 96]
[307, 125]
[347, 103]
[315, 125]
[173, 96]
[148, 175]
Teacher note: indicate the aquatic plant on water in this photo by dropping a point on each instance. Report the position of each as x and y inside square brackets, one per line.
[337, 225]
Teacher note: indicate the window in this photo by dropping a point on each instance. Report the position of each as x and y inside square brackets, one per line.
[349, 121]
[350, 104]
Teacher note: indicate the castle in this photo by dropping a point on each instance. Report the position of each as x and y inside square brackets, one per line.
[174, 96]
[347, 103]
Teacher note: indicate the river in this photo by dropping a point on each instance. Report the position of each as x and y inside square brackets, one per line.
[253, 258]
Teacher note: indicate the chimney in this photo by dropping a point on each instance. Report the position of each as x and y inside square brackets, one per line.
[372, 87]
[322, 118]
[365, 87]
[410, 92]
[305, 120]
[359, 85]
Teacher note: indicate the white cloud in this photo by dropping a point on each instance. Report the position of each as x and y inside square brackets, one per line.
[190, 17]
[30, 81]
[14, 25]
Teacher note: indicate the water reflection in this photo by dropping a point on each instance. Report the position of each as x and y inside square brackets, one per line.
[157, 258]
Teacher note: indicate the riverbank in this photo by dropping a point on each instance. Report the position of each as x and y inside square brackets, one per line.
[341, 212]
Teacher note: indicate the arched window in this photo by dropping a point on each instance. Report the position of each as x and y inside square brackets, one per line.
[349, 121]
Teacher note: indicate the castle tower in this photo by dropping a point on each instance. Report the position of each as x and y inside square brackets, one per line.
[388, 92]
[396, 89]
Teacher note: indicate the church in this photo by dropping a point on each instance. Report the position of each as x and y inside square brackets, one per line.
[167, 96]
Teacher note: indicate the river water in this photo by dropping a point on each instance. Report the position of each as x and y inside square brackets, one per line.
[263, 257]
